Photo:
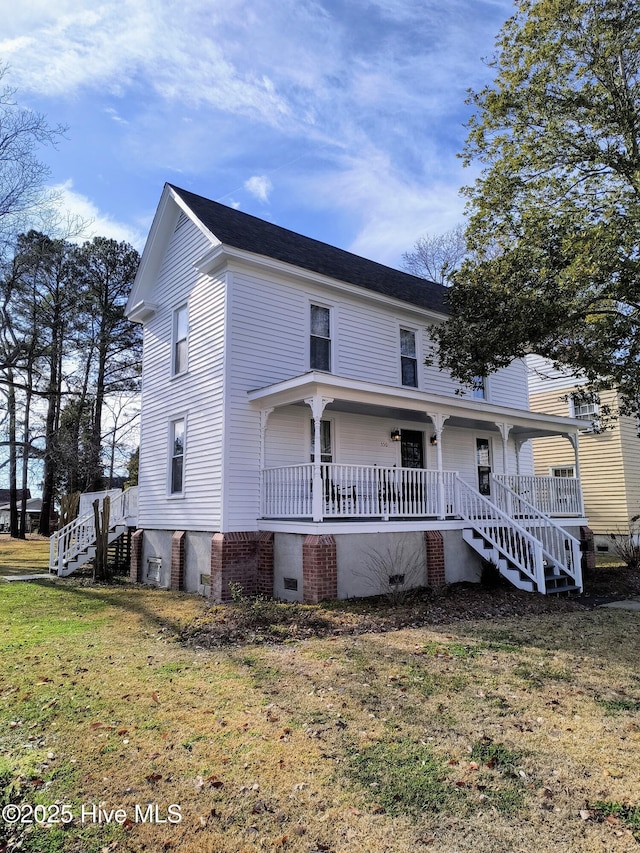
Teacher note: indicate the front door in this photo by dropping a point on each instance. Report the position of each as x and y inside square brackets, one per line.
[483, 460]
[411, 448]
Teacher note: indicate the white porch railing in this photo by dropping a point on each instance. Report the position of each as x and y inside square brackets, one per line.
[77, 536]
[358, 491]
[560, 548]
[551, 495]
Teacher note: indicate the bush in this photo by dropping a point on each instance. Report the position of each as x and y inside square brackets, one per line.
[626, 545]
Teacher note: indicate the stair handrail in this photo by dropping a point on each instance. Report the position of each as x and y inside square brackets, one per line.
[559, 546]
[512, 540]
[80, 534]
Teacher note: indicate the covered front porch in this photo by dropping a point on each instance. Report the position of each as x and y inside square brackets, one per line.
[360, 466]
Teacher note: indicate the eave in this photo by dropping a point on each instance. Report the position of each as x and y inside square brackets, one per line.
[390, 401]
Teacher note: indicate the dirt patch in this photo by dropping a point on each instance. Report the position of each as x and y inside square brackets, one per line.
[263, 620]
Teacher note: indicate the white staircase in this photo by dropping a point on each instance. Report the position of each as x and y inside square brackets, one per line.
[528, 548]
[75, 544]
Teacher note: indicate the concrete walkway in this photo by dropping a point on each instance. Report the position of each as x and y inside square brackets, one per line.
[629, 604]
[32, 577]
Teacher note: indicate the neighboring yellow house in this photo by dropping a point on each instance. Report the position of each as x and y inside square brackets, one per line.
[609, 461]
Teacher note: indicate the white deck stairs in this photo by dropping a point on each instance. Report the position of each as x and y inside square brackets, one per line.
[75, 544]
[527, 547]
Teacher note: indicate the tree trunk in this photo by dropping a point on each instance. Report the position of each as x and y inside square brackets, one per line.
[13, 462]
[101, 569]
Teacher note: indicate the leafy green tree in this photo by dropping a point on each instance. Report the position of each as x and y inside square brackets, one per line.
[554, 225]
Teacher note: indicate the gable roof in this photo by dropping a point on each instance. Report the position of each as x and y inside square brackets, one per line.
[248, 233]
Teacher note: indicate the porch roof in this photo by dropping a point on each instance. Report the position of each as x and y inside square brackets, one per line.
[360, 397]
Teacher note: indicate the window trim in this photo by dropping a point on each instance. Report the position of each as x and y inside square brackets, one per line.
[171, 494]
[175, 340]
[403, 327]
[315, 303]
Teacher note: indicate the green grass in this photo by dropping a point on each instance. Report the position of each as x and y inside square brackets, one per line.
[496, 755]
[627, 815]
[402, 777]
[618, 706]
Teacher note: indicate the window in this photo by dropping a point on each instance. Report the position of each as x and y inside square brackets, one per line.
[326, 453]
[566, 471]
[320, 346]
[586, 410]
[408, 358]
[479, 388]
[177, 456]
[180, 332]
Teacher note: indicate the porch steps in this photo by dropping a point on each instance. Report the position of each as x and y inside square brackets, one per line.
[88, 553]
[74, 545]
[557, 581]
[491, 554]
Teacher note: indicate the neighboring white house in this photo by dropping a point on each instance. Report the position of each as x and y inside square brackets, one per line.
[294, 440]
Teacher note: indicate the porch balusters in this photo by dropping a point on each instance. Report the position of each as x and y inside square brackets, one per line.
[357, 491]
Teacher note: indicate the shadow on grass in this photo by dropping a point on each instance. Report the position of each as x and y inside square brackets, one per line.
[135, 599]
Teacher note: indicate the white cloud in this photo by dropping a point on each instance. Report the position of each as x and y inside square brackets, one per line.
[97, 224]
[260, 186]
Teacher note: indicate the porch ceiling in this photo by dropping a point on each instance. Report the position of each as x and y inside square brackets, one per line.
[377, 400]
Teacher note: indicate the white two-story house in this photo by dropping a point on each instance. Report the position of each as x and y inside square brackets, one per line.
[297, 439]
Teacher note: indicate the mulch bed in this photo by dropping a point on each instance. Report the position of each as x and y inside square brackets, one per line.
[262, 620]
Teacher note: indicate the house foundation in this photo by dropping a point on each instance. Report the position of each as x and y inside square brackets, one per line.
[308, 566]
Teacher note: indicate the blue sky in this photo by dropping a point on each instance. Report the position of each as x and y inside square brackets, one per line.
[340, 119]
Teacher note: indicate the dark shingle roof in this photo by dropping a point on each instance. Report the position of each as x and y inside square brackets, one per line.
[243, 231]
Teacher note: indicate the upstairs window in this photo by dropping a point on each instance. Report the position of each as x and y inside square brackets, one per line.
[479, 388]
[177, 457]
[180, 335]
[586, 410]
[320, 344]
[408, 358]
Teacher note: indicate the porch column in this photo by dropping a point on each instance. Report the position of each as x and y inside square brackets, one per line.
[573, 438]
[505, 429]
[264, 417]
[518, 443]
[317, 405]
[438, 426]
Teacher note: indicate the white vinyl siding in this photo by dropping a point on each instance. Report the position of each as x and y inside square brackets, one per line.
[197, 396]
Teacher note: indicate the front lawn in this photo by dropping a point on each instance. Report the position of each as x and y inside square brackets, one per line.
[23, 556]
[491, 735]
